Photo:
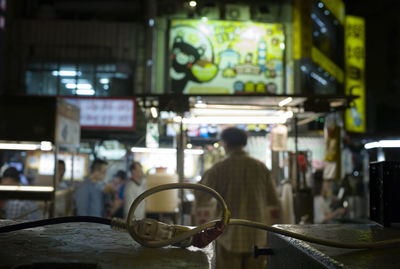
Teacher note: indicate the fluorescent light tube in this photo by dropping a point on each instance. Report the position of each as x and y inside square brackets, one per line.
[236, 120]
[26, 188]
[19, 146]
[285, 101]
[166, 150]
[383, 144]
[85, 92]
[232, 112]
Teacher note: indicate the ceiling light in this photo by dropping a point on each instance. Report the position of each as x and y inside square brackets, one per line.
[85, 92]
[66, 73]
[383, 144]
[192, 3]
[81, 86]
[371, 145]
[151, 22]
[165, 150]
[46, 146]
[236, 120]
[19, 146]
[285, 101]
[154, 112]
[26, 188]
[104, 81]
[232, 112]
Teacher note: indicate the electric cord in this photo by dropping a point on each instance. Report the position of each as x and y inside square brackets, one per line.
[52, 221]
[227, 221]
[184, 236]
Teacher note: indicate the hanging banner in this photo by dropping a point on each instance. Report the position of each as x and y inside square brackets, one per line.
[152, 135]
[226, 57]
[355, 118]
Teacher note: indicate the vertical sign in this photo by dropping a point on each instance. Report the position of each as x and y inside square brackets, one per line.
[355, 73]
[68, 131]
[302, 29]
[152, 135]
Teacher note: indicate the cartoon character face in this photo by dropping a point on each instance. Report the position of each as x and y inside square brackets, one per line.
[184, 55]
[182, 58]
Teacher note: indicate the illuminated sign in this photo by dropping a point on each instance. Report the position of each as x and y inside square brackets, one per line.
[105, 113]
[43, 163]
[226, 57]
[302, 29]
[320, 59]
[355, 73]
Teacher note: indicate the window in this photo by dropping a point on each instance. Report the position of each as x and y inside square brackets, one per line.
[82, 79]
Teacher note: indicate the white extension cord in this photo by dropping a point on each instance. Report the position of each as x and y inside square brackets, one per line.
[151, 233]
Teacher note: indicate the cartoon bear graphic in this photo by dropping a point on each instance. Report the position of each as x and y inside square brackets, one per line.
[183, 57]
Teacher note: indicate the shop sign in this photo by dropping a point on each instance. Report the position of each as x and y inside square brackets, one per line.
[67, 131]
[105, 113]
[355, 73]
[226, 57]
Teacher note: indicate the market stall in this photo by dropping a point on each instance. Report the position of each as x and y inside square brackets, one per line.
[53, 131]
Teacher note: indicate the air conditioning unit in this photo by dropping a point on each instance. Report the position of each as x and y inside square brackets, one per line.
[268, 13]
[211, 13]
[237, 12]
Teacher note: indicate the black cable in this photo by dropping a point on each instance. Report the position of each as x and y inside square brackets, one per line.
[32, 224]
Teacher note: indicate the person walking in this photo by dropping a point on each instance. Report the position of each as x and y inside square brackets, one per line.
[133, 188]
[89, 195]
[246, 185]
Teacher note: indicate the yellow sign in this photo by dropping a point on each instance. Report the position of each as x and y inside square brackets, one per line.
[355, 72]
[336, 7]
[302, 29]
[320, 59]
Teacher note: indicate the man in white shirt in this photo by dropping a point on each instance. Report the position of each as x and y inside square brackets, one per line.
[134, 187]
[323, 194]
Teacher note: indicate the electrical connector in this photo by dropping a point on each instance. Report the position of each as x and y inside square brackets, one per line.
[153, 230]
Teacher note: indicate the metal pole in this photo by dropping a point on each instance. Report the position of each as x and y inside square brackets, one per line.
[69, 198]
[296, 150]
[180, 164]
[53, 195]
